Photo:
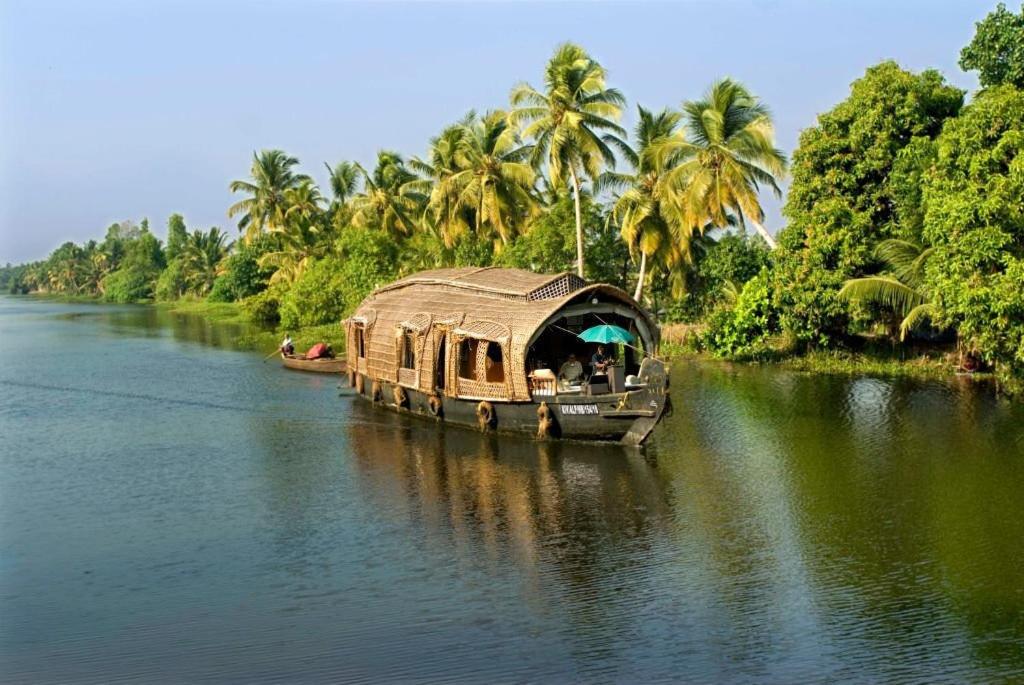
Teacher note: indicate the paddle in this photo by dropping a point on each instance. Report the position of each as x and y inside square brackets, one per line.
[271, 355]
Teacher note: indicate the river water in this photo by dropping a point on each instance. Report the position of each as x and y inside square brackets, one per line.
[172, 509]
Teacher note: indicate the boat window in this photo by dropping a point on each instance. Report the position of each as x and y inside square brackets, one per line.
[467, 358]
[408, 352]
[495, 363]
[360, 342]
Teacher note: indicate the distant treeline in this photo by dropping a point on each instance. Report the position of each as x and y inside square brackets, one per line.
[905, 214]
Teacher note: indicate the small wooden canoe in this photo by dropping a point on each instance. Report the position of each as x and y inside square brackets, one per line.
[323, 365]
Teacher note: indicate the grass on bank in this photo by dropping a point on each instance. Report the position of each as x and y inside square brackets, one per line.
[257, 337]
[681, 341]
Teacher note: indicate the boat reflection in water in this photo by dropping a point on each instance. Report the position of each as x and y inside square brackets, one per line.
[508, 500]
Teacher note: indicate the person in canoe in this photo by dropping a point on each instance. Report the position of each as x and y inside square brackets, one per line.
[287, 346]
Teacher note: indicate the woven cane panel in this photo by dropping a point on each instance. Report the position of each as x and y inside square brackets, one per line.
[419, 322]
[361, 365]
[560, 287]
[482, 390]
[484, 330]
[410, 378]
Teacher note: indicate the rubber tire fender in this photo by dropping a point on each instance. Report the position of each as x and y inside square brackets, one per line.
[485, 415]
[435, 406]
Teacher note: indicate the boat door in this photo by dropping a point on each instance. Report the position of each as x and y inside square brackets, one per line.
[440, 361]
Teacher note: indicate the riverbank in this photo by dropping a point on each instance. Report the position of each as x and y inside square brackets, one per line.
[255, 336]
[935, 365]
[263, 337]
[928, 365]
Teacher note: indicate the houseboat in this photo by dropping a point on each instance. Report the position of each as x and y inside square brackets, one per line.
[505, 350]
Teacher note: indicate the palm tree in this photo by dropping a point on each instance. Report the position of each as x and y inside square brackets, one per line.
[343, 178]
[201, 256]
[495, 180]
[302, 236]
[566, 120]
[271, 174]
[727, 155]
[899, 287]
[649, 221]
[391, 199]
[444, 213]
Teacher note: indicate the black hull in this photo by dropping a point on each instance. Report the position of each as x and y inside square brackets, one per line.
[626, 418]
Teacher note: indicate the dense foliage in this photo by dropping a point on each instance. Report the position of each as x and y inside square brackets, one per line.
[997, 50]
[974, 217]
[905, 214]
[844, 197]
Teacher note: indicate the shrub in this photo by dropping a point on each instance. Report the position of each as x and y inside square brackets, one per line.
[242, 275]
[741, 331]
[264, 307]
[317, 297]
[171, 285]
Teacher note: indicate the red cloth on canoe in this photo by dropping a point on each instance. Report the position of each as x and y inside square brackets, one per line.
[317, 351]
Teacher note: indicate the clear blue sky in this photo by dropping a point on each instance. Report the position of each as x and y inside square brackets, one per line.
[123, 110]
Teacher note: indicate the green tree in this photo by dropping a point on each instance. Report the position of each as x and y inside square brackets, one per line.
[728, 153]
[997, 49]
[334, 286]
[391, 201]
[302, 237]
[900, 287]
[444, 214]
[492, 178]
[241, 275]
[974, 218]
[566, 122]
[740, 330]
[343, 179]
[201, 257]
[844, 200]
[549, 246]
[136, 275]
[651, 223]
[172, 283]
[177, 233]
[272, 173]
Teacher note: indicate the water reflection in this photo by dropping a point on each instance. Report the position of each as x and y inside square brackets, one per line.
[806, 525]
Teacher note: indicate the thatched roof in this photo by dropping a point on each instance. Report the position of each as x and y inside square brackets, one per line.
[504, 305]
[492, 280]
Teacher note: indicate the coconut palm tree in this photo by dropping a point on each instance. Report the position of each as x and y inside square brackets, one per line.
[728, 153]
[343, 179]
[201, 256]
[299, 243]
[272, 173]
[443, 212]
[302, 236]
[899, 287]
[391, 200]
[494, 179]
[650, 222]
[573, 123]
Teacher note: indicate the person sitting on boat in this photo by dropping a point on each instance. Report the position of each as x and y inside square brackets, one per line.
[319, 351]
[571, 372]
[287, 346]
[600, 361]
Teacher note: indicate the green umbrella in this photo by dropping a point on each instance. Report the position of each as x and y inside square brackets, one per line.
[606, 334]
